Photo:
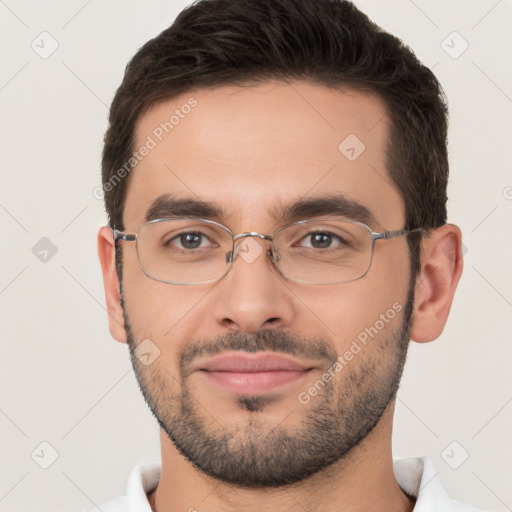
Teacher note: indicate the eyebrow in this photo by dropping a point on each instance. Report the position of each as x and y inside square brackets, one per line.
[315, 207]
[168, 205]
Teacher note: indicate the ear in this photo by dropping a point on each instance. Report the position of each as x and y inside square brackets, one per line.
[106, 253]
[441, 268]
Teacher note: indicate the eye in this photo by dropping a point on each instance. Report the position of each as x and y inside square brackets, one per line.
[322, 240]
[189, 240]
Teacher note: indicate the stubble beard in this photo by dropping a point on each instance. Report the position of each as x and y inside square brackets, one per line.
[256, 453]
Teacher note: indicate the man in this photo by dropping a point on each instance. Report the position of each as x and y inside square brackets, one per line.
[275, 179]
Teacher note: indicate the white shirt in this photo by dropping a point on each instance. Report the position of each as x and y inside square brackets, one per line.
[416, 477]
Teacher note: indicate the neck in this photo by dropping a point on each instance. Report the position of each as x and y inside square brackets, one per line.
[363, 480]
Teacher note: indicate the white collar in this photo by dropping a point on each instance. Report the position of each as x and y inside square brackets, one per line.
[420, 479]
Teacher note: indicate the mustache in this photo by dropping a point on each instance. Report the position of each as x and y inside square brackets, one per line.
[264, 340]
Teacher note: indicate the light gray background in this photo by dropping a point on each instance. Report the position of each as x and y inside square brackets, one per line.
[66, 382]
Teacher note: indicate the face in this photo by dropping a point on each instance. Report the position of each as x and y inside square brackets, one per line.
[260, 380]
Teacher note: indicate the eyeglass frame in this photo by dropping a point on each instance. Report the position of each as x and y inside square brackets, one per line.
[383, 235]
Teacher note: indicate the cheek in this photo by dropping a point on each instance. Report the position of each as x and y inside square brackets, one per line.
[167, 314]
[367, 309]
[359, 314]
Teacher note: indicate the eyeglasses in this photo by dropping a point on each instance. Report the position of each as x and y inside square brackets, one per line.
[184, 250]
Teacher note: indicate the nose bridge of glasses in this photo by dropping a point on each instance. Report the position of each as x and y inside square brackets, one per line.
[241, 236]
[252, 234]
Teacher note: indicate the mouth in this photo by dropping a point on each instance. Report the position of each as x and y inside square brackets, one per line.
[253, 373]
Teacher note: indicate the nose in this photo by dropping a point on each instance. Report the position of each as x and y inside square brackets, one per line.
[253, 295]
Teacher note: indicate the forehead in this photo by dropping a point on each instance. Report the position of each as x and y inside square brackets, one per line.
[253, 150]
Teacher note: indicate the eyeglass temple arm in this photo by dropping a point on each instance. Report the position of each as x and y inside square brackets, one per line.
[386, 235]
[119, 235]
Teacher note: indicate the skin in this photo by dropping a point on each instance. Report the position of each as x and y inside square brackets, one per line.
[248, 150]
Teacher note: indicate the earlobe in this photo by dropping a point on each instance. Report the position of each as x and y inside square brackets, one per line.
[106, 253]
[441, 268]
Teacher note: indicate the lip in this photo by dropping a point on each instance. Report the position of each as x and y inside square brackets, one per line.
[252, 373]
